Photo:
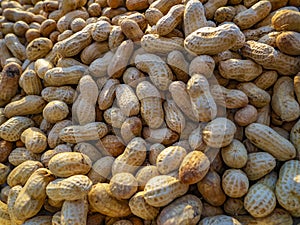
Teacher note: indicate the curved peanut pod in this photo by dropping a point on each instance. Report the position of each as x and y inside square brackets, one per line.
[193, 17]
[212, 40]
[203, 104]
[159, 72]
[270, 141]
[151, 105]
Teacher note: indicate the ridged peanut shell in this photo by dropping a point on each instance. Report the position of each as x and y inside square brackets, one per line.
[194, 167]
[270, 141]
[260, 201]
[161, 190]
[66, 164]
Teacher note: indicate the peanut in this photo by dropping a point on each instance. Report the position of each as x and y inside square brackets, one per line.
[203, 104]
[219, 219]
[186, 209]
[211, 190]
[235, 183]
[32, 196]
[193, 17]
[161, 190]
[123, 185]
[15, 46]
[254, 14]
[66, 164]
[101, 201]
[286, 186]
[270, 141]
[74, 211]
[70, 189]
[31, 104]
[219, 132]
[127, 100]
[235, 154]
[289, 43]
[260, 201]
[141, 208]
[151, 107]
[212, 40]
[286, 20]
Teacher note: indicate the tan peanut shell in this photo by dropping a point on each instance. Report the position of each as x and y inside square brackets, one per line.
[153, 43]
[235, 183]
[12, 129]
[164, 136]
[151, 106]
[144, 174]
[15, 46]
[212, 40]
[259, 164]
[30, 104]
[98, 68]
[114, 117]
[235, 154]
[38, 48]
[53, 136]
[219, 132]
[101, 169]
[107, 94]
[254, 14]
[20, 155]
[127, 100]
[194, 167]
[70, 189]
[34, 139]
[229, 98]
[169, 22]
[287, 187]
[260, 201]
[234, 206]
[88, 149]
[77, 133]
[238, 69]
[289, 43]
[186, 209]
[175, 119]
[74, 211]
[63, 93]
[59, 76]
[286, 20]
[246, 115]
[193, 17]
[266, 79]
[170, 159]
[257, 97]
[66, 164]
[141, 208]
[283, 95]
[219, 219]
[131, 128]
[120, 59]
[101, 201]
[270, 141]
[164, 5]
[32, 196]
[161, 190]
[93, 52]
[30, 83]
[203, 104]
[132, 158]
[211, 189]
[270, 58]
[123, 185]
[159, 72]
[182, 99]
[55, 111]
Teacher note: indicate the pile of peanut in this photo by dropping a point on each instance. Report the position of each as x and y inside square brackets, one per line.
[150, 112]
